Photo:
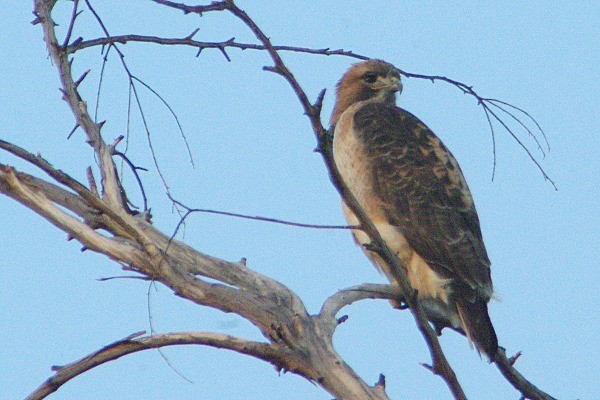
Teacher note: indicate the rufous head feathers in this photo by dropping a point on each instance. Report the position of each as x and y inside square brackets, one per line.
[373, 80]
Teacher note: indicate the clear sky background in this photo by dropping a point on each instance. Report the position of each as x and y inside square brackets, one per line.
[253, 152]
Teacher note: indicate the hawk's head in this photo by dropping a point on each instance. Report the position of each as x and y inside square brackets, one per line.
[374, 80]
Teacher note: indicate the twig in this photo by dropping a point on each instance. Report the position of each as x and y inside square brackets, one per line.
[214, 6]
[187, 41]
[74, 16]
[132, 79]
[135, 169]
[258, 218]
[166, 104]
[110, 278]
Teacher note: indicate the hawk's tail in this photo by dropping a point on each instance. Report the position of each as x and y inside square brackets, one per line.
[477, 325]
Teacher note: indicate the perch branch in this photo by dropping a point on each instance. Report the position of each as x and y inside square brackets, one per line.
[440, 364]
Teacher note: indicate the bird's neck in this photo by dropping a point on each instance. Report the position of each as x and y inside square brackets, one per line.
[344, 102]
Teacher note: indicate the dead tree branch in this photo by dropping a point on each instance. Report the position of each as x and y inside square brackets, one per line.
[134, 344]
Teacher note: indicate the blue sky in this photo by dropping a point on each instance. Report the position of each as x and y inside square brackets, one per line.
[253, 152]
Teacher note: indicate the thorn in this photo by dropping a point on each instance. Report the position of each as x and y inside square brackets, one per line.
[271, 69]
[243, 261]
[69, 237]
[381, 381]
[84, 248]
[191, 35]
[512, 360]
[342, 319]
[101, 124]
[81, 78]
[199, 51]
[222, 49]
[428, 367]
[36, 21]
[73, 131]
[371, 247]
[319, 103]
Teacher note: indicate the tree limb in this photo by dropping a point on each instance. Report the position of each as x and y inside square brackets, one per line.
[133, 344]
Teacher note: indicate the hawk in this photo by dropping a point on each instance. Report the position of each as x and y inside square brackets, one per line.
[412, 189]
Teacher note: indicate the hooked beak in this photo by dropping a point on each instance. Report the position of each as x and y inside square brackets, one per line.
[390, 83]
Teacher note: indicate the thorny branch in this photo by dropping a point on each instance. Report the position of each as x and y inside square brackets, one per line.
[487, 104]
[301, 343]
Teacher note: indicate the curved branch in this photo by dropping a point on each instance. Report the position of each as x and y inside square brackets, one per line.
[345, 297]
[133, 344]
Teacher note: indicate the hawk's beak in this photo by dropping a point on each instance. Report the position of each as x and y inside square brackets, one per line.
[390, 83]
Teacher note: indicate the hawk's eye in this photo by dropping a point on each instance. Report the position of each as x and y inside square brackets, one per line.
[370, 77]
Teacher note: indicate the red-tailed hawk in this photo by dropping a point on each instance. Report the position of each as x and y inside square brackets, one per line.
[413, 190]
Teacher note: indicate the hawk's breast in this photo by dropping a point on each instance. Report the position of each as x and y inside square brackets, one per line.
[356, 168]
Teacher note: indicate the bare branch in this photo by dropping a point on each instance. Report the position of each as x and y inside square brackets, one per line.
[345, 297]
[15, 186]
[135, 170]
[519, 382]
[188, 41]
[255, 217]
[110, 182]
[132, 344]
[214, 6]
[71, 24]
[484, 102]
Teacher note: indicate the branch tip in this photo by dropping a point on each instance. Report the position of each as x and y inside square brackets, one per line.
[512, 360]
[81, 78]
[191, 35]
[381, 381]
[73, 131]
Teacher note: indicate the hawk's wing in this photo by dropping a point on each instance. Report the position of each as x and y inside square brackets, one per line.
[425, 194]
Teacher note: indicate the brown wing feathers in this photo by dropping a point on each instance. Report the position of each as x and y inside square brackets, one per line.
[431, 207]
